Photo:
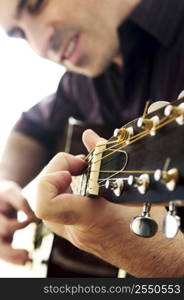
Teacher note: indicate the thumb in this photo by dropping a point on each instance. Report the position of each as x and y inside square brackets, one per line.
[90, 139]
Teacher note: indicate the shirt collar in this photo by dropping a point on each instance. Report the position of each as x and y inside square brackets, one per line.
[160, 18]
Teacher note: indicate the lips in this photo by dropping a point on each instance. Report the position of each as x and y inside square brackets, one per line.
[70, 48]
[65, 51]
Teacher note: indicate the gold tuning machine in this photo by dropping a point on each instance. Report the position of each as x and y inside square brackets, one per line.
[123, 134]
[141, 182]
[116, 186]
[175, 112]
[169, 178]
[149, 124]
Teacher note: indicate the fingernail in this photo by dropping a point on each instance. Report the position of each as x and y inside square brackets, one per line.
[81, 156]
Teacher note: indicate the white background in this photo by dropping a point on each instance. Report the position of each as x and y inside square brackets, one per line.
[25, 79]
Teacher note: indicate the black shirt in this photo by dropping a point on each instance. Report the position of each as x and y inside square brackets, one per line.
[152, 44]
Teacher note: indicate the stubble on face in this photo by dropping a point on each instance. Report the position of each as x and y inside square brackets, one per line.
[90, 20]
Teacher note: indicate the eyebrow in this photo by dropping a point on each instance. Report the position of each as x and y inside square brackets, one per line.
[20, 7]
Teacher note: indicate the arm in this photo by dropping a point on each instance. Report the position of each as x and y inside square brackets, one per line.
[102, 228]
[22, 159]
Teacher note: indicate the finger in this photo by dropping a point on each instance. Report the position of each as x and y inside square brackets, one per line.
[55, 205]
[11, 197]
[21, 204]
[49, 186]
[90, 138]
[15, 256]
[9, 226]
[64, 161]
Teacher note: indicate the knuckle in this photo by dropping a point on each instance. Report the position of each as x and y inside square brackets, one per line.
[42, 213]
[68, 217]
[39, 213]
[80, 241]
[60, 155]
[11, 187]
[8, 188]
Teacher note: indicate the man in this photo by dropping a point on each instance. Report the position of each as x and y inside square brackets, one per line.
[132, 50]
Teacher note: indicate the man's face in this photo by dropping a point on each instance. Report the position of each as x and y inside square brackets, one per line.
[75, 33]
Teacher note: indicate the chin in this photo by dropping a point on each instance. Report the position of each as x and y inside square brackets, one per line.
[84, 71]
[89, 69]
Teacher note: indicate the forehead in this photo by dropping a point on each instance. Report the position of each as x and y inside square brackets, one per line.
[7, 12]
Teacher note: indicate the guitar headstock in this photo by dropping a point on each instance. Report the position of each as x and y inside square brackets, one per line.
[142, 161]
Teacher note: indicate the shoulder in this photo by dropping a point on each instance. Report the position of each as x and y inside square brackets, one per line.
[70, 82]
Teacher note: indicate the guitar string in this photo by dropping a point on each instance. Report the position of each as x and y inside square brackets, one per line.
[134, 138]
[120, 141]
[112, 142]
[112, 147]
[125, 171]
[145, 133]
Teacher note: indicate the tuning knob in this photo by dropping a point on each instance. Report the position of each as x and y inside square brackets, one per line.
[156, 105]
[180, 119]
[169, 178]
[123, 134]
[149, 124]
[175, 112]
[116, 186]
[141, 182]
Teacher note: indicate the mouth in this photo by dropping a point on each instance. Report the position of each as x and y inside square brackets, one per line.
[70, 52]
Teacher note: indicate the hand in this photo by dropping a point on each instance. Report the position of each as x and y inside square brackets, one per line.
[12, 201]
[90, 224]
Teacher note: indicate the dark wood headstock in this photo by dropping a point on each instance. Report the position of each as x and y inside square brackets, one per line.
[143, 161]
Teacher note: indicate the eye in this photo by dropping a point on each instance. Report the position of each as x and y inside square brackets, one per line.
[16, 32]
[36, 6]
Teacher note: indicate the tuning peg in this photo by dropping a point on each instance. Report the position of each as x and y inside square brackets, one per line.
[123, 134]
[171, 222]
[141, 182]
[175, 112]
[149, 124]
[116, 186]
[169, 178]
[180, 119]
[143, 225]
[168, 110]
[156, 105]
